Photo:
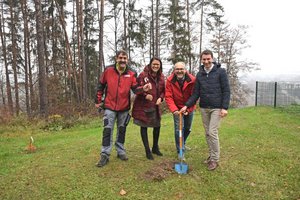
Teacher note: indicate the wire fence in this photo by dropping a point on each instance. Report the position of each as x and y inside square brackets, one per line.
[277, 93]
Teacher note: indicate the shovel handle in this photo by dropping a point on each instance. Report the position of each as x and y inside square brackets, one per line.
[180, 121]
[180, 130]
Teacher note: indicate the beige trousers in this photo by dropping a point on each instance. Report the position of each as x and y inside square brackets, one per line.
[211, 122]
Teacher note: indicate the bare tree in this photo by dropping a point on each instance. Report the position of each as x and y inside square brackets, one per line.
[101, 22]
[13, 18]
[125, 27]
[189, 34]
[229, 43]
[43, 96]
[27, 55]
[8, 85]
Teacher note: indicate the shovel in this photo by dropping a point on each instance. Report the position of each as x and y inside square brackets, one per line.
[181, 168]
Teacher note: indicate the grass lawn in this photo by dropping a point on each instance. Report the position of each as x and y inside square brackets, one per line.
[260, 159]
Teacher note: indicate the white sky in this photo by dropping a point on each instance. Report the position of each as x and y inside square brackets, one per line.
[274, 33]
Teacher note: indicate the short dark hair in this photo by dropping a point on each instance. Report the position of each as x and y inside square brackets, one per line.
[207, 52]
[121, 52]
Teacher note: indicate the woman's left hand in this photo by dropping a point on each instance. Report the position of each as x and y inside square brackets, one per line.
[158, 101]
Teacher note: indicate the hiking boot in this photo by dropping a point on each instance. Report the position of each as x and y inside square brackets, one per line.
[122, 157]
[212, 165]
[103, 160]
[149, 156]
[156, 151]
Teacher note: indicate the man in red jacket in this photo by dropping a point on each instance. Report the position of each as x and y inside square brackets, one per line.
[114, 85]
[179, 88]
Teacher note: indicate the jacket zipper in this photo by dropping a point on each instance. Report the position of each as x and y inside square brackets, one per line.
[117, 91]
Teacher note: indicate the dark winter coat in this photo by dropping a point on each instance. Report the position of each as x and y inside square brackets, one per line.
[116, 88]
[212, 88]
[145, 110]
[175, 95]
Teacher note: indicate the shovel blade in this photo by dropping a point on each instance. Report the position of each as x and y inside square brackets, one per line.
[181, 168]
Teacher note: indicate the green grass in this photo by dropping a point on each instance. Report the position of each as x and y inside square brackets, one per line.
[260, 159]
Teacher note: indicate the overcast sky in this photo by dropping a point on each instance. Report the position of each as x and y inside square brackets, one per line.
[274, 33]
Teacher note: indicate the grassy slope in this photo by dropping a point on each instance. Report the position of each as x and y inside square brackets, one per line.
[260, 150]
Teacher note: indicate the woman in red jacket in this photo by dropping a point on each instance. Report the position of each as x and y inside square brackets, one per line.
[146, 109]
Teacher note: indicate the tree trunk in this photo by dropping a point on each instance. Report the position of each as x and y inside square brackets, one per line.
[201, 28]
[101, 23]
[189, 35]
[41, 59]
[82, 54]
[71, 71]
[157, 49]
[26, 44]
[14, 55]
[2, 91]
[125, 26]
[153, 53]
[8, 86]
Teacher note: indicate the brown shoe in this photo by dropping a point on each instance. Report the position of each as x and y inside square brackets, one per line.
[212, 165]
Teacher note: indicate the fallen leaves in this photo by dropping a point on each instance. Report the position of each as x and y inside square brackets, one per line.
[122, 192]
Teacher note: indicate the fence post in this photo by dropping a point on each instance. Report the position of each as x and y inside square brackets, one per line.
[275, 95]
[256, 90]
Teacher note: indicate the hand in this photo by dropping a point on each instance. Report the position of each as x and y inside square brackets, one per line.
[223, 113]
[147, 87]
[176, 112]
[158, 101]
[99, 106]
[149, 97]
[183, 109]
[185, 113]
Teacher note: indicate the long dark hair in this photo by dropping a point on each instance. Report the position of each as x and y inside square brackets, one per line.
[158, 59]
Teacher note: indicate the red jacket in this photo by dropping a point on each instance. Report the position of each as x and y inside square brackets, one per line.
[175, 96]
[141, 106]
[116, 88]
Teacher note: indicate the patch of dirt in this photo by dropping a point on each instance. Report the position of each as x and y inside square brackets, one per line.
[160, 171]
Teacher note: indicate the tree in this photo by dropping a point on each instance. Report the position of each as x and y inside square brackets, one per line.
[8, 85]
[229, 43]
[210, 11]
[101, 22]
[43, 96]
[26, 55]
[14, 50]
[176, 34]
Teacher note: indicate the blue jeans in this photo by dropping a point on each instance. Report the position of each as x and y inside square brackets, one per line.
[186, 128]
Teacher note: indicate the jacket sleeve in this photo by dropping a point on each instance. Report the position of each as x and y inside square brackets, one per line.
[163, 91]
[100, 88]
[225, 90]
[169, 97]
[192, 108]
[136, 86]
[196, 93]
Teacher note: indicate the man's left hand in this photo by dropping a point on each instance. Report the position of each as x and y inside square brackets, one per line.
[223, 113]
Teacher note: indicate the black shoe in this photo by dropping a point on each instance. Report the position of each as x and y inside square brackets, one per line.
[103, 160]
[156, 151]
[122, 157]
[149, 156]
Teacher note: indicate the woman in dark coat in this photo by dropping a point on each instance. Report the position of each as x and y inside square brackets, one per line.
[146, 109]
